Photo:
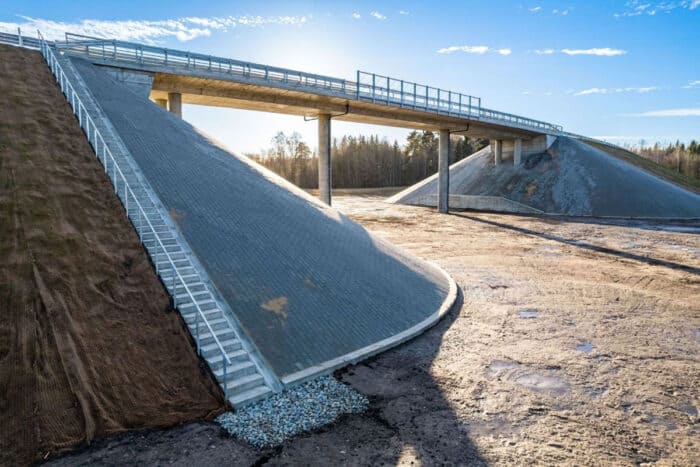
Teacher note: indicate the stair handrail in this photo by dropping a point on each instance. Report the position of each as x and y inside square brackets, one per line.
[87, 123]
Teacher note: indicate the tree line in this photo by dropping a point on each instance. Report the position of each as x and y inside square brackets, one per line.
[679, 157]
[371, 161]
[364, 161]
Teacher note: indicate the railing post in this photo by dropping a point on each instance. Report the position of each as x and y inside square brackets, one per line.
[19, 37]
[358, 85]
[223, 359]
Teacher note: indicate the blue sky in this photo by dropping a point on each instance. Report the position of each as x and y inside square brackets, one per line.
[626, 70]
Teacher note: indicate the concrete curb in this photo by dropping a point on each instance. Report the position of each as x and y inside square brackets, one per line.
[377, 347]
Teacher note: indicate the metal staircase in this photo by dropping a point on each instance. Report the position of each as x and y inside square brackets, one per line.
[242, 374]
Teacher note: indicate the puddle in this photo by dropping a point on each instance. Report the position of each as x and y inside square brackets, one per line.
[543, 383]
[585, 347]
[498, 366]
[528, 314]
[690, 410]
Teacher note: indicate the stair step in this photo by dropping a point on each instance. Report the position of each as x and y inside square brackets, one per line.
[205, 338]
[249, 396]
[235, 371]
[231, 347]
[237, 386]
[204, 305]
[191, 318]
[215, 324]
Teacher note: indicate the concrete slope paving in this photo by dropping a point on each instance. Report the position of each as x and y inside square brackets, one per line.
[571, 178]
[309, 287]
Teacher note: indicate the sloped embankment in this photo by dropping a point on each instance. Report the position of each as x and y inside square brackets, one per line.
[87, 343]
[572, 178]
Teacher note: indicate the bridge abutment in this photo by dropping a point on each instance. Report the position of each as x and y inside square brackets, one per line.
[324, 158]
[175, 103]
[517, 151]
[498, 152]
[444, 172]
[162, 103]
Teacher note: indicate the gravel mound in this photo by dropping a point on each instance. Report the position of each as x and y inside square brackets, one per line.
[297, 409]
[572, 178]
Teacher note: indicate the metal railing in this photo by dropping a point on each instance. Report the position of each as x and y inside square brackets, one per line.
[392, 91]
[20, 40]
[146, 55]
[120, 182]
[368, 86]
[518, 121]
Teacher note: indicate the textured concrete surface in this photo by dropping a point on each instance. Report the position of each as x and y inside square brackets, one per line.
[307, 284]
[571, 178]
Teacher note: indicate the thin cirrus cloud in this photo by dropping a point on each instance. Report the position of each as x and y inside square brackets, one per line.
[685, 112]
[601, 52]
[474, 49]
[693, 84]
[535, 9]
[182, 29]
[638, 8]
[378, 15]
[356, 15]
[591, 91]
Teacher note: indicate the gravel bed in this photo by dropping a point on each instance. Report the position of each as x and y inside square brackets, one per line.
[297, 409]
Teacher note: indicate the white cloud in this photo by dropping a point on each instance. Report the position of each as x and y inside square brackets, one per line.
[474, 49]
[544, 51]
[406, 13]
[537, 8]
[183, 29]
[638, 8]
[378, 15]
[560, 12]
[693, 84]
[604, 52]
[641, 90]
[356, 15]
[687, 112]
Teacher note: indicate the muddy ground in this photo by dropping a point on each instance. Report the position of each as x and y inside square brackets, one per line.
[89, 344]
[574, 342]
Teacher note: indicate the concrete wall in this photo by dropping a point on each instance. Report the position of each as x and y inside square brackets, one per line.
[480, 203]
[530, 146]
[140, 82]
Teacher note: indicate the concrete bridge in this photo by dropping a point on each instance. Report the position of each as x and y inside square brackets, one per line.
[173, 77]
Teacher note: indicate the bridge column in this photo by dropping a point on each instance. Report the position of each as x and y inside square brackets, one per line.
[444, 172]
[175, 103]
[324, 158]
[517, 152]
[498, 152]
[162, 103]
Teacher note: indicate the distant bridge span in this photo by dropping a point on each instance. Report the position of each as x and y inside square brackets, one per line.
[173, 77]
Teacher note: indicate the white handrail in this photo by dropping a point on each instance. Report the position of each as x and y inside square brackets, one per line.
[87, 123]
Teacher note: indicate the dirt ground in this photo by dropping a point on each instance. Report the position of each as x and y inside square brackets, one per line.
[574, 342]
[88, 343]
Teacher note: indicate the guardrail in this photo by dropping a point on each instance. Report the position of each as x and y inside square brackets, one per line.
[20, 40]
[392, 91]
[368, 86]
[120, 182]
[146, 55]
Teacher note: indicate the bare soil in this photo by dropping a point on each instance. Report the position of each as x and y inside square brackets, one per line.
[574, 342]
[89, 345]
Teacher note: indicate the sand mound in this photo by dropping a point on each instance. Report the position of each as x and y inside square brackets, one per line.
[571, 178]
[87, 346]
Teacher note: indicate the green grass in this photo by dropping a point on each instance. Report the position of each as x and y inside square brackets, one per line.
[649, 165]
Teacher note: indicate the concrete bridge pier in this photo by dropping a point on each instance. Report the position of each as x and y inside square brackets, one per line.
[517, 152]
[324, 158]
[162, 103]
[444, 172]
[498, 152]
[175, 103]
